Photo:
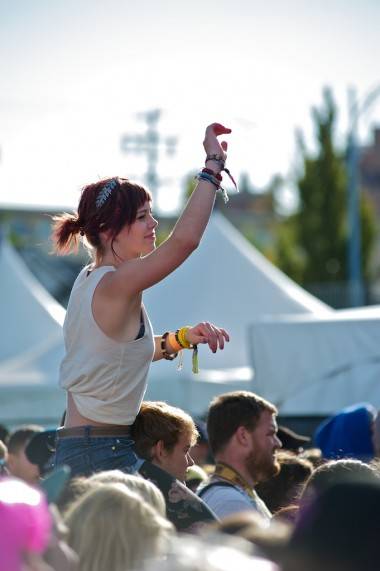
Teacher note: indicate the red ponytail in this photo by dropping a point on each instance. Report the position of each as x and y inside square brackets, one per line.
[65, 233]
[117, 210]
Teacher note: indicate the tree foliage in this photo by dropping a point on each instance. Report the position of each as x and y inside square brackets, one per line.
[312, 244]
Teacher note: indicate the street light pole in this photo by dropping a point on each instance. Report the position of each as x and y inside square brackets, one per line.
[355, 278]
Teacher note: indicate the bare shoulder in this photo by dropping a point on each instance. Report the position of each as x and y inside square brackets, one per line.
[116, 313]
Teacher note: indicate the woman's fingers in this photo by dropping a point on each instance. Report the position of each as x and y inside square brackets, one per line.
[208, 333]
[219, 129]
[214, 336]
[225, 334]
[215, 130]
[222, 337]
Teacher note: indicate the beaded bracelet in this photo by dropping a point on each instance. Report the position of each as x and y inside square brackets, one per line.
[165, 354]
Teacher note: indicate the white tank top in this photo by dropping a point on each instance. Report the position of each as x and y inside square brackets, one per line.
[106, 378]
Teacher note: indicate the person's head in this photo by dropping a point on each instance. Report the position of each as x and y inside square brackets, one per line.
[284, 488]
[74, 489]
[313, 455]
[242, 432]
[164, 435]
[40, 450]
[144, 488]
[348, 434]
[291, 440]
[114, 218]
[18, 463]
[338, 530]
[336, 471]
[113, 528]
[25, 525]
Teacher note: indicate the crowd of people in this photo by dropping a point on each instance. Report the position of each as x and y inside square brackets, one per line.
[252, 498]
[126, 485]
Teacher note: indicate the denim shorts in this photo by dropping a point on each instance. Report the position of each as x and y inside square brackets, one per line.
[88, 454]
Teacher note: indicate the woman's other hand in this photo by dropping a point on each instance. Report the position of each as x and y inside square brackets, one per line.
[211, 143]
[207, 333]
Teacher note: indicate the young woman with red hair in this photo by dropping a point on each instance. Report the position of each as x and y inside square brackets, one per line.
[109, 340]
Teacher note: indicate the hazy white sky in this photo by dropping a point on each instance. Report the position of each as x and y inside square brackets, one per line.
[74, 74]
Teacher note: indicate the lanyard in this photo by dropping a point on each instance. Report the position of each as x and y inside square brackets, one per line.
[230, 475]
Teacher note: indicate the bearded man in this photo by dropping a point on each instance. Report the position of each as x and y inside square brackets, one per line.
[242, 431]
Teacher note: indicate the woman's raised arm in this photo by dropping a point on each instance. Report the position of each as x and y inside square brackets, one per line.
[136, 275]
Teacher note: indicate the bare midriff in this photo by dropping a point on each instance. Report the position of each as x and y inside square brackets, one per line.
[74, 418]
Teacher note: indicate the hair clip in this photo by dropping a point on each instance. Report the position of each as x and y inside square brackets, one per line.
[105, 192]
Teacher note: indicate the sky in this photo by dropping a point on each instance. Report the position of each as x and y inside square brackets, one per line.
[77, 74]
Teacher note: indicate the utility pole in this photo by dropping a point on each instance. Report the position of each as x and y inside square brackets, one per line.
[150, 143]
[355, 278]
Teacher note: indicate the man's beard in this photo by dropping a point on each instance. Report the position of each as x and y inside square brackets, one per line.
[262, 466]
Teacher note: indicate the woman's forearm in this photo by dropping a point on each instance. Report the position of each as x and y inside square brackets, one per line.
[193, 221]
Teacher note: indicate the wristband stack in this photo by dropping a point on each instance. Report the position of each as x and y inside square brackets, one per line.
[215, 178]
[178, 342]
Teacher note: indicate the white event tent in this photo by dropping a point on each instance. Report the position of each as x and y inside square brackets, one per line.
[228, 282]
[31, 346]
[285, 344]
[318, 365]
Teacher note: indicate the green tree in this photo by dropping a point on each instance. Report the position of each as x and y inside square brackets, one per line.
[312, 244]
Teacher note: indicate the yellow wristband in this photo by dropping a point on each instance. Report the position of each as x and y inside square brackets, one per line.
[181, 337]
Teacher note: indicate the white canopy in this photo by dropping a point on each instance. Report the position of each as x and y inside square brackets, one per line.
[31, 344]
[228, 282]
[306, 357]
[309, 365]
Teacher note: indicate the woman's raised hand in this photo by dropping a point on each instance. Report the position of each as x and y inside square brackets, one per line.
[211, 143]
[207, 333]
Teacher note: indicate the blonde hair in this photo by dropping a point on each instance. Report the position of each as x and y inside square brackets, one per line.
[74, 489]
[148, 491]
[113, 528]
